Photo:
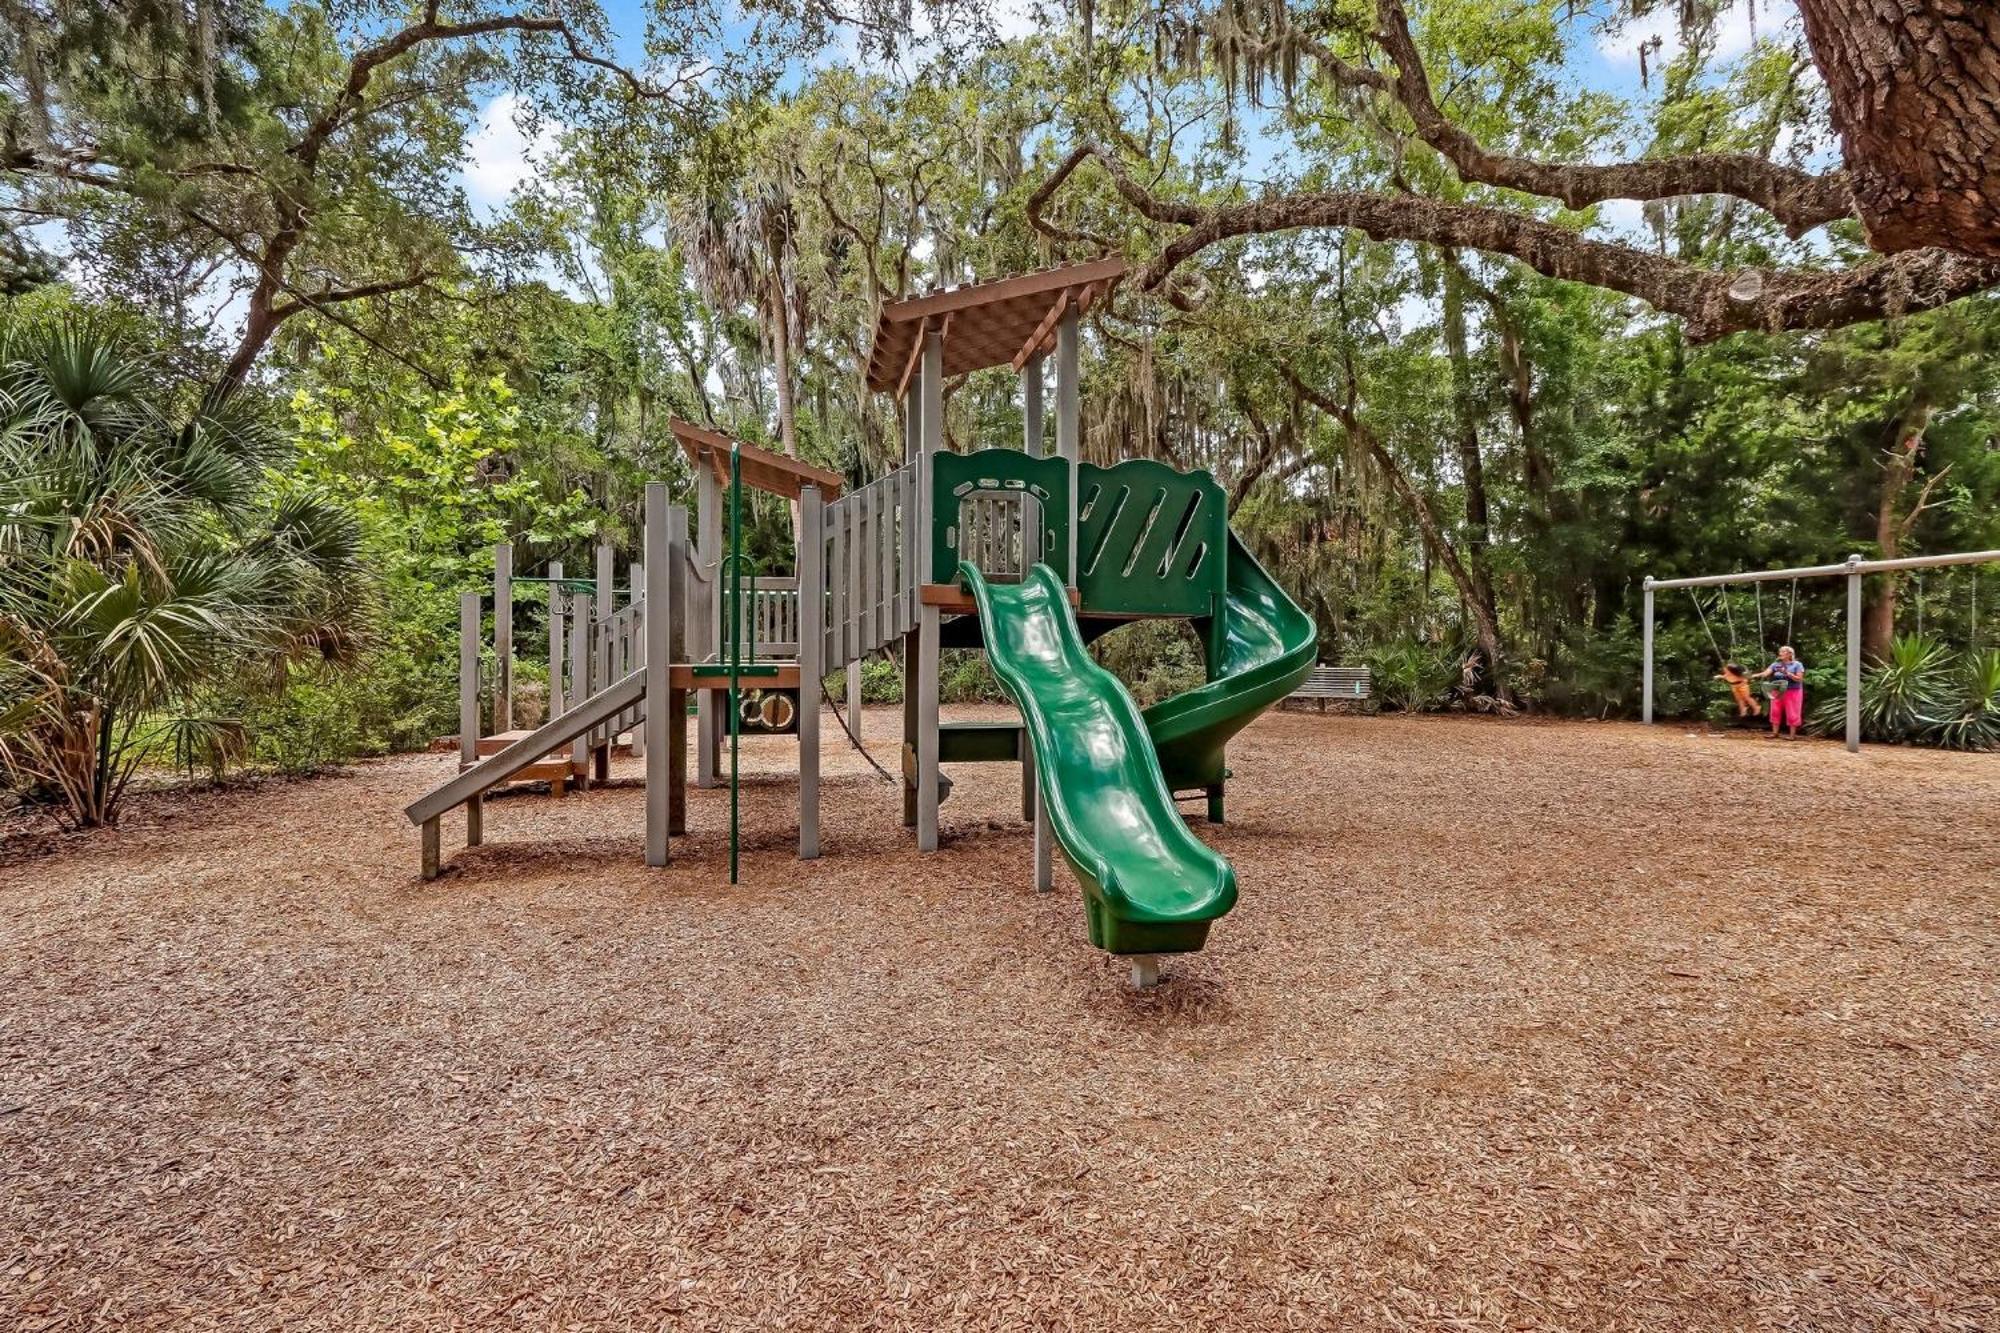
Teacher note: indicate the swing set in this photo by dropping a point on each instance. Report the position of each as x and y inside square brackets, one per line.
[1763, 640]
[1853, 569]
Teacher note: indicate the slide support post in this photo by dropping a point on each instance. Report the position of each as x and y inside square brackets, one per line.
[931, 396]
[813, 576]
[659, 673]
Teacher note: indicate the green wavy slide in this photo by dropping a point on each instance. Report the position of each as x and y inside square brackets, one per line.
[1150, 885]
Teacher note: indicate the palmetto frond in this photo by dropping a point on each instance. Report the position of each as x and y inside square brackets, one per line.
[144, 557]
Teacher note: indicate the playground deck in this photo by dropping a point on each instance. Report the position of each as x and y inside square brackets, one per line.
[1519, 1026]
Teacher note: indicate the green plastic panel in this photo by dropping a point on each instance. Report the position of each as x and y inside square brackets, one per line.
[1150, 540]
[1001, 471]
[979, 743]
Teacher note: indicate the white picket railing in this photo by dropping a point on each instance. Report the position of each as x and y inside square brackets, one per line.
[769, 617]
[869, 545]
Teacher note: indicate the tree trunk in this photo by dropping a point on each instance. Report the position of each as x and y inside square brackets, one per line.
[1899, 469]
[1436, 542]
[1472, 475]
[1915, 91]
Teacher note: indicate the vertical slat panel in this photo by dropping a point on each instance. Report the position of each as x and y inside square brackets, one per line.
[556, 639]
[468, 678]
[579, 674]
[870, 566]
[913, 522]
[837, 587]
[856, 594]
[503, 637]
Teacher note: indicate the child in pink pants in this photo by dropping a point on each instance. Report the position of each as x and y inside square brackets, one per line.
[1788, 705]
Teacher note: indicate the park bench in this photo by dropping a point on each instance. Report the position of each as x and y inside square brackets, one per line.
[1343, 684]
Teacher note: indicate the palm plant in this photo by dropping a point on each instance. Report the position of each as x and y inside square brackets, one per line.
[1973, 721]
[147, 556]
[1901, 695]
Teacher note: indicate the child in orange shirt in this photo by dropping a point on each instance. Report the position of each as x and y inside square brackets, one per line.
[1739, 685]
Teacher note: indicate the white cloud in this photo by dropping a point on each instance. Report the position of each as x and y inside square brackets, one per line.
[498, 156]
[1011, 20]
[1737, 28]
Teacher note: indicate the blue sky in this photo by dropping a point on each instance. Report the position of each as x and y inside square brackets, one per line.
[500, 157]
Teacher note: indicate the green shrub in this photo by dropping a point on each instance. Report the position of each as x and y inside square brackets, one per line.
[1156, 659]
[1901, 696]
[1974, 722]
[965, 678]
[1412, 676]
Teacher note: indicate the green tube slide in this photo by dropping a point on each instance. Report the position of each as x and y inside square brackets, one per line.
[1150, 886]
[1266, 645]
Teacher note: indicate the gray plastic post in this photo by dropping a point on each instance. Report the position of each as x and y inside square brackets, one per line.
[468, 679]
[635, 592]
[854, 699]
[1031, 407]
[1145, 971]
[1031, 442]
[706, 623]
[556, 639]
[1646, 671]
[580, 680]
[931, 396]
[607, 591]
[1853, 654]
[503, 637]
[659, 669]
[1069, 416]
[813, 576]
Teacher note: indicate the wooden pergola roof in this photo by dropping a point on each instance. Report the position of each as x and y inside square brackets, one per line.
[765, 469]
[1007, 321]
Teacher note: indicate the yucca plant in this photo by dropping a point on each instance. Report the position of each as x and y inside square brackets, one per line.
[1902, 696]
[146, 555]
[1974, 722]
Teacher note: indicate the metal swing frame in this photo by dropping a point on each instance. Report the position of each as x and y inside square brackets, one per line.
[1853, 569]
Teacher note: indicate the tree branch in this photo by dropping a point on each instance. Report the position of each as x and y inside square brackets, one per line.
[1798, 200]
[1907, 283]
[337, 295]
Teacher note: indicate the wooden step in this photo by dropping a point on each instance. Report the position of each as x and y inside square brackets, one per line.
[557, 769]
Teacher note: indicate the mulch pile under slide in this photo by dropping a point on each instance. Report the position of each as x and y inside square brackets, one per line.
[1564, 1026]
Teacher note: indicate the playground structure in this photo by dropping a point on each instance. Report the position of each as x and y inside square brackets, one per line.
[1853, 569]
[1026, 554]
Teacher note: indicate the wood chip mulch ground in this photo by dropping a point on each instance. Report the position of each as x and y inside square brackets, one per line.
[1516, 1026]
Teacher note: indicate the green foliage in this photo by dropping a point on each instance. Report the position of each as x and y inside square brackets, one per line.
[436, 480]
[1156, 659]
[965, 678]
[1412, 676]
[1920, 693]
[881, 681]
[151, 554]
[692, 259]
[1971, 718]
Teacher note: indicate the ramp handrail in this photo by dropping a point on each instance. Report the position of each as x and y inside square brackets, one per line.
[593, 712]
